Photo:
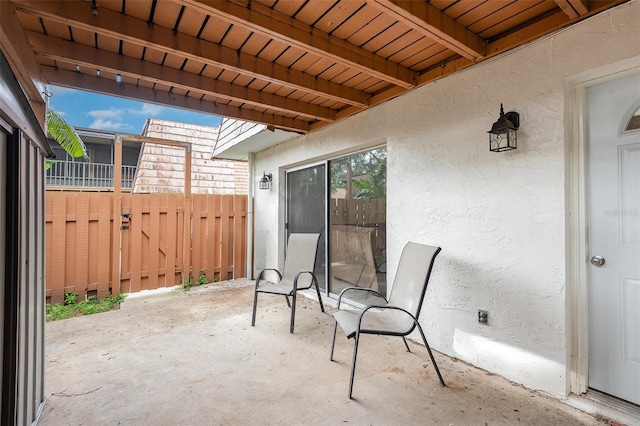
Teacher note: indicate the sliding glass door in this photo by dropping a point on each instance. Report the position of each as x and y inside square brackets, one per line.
[353, 238]
[357, 255]
[306, 209]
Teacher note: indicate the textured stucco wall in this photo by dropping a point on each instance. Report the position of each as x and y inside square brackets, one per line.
[500, 218]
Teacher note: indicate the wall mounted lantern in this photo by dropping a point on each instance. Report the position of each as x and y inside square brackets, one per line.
[503, 135]
[265, 181]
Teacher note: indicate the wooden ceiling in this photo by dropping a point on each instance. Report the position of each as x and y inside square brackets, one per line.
[291, 64]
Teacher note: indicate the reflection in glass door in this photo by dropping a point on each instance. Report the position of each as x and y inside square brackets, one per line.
[306, 209]
[358, 221]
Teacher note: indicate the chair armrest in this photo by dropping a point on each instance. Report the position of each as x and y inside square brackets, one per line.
[295, 279]
[260, 275]
[368, 290]
[382, 307]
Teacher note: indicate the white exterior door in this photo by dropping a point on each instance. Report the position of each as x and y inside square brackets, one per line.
[614, 238]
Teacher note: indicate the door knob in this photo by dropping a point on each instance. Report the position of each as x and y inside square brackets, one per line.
[597, 260]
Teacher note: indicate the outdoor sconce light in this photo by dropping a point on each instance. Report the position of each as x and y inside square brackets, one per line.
[503, 135]
[265, 181]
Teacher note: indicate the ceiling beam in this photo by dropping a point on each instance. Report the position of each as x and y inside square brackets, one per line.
[573, 8]
[22, 60]
[264, 20]
[86, 56]
[431, 22]
[139, 32]
[77, 80]
[512, 40]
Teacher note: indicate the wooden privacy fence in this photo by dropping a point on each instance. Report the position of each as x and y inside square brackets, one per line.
[366, 212]
[148, 244]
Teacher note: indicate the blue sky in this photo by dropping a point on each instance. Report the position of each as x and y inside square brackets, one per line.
[87, 109]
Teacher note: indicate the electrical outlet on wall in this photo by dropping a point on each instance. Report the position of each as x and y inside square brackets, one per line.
[483, 317]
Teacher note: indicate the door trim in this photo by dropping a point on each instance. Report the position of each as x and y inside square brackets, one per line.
[576, 220]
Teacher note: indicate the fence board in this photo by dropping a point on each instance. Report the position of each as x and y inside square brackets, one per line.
[154, 242]
[224, 227]
[80, 232]
[171, 242]
[104, 245]
[197, 237]
[136, 244]
[82, 242]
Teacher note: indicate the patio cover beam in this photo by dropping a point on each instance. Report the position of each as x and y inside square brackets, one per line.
[573, 8]
[97, 84]
[22, 60]
[122, 27]
[264, 20]
[87, 56]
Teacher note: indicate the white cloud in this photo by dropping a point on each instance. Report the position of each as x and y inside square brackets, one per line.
[110, 113]
[151, 109]
[106, 124]
[147, 110]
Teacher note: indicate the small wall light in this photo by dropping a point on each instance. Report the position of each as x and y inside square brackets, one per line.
[265, 181]
[503, 135]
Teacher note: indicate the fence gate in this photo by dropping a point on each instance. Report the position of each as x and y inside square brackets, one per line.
[151, 241]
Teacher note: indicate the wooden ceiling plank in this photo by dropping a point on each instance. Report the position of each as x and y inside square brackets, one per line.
[86, 56]
[138, 9]
[284, 28]
[401, 43]
[311, 12]
[511, 12]
[255, 44]
[136, 31]
[529, 14]
[355, 22]
[338, 14]
[191, 22]
[426, 18]
[166, 15]
[459, 9]
[236, 37]
[387, 36]
[370, 29]
[136, 92]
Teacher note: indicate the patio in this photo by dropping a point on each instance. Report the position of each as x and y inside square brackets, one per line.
[192, 358]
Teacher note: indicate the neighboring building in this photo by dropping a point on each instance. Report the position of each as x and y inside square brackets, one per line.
[149, 167]
[96, 172]
[161, 167]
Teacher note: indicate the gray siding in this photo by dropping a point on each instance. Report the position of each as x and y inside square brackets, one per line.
[22, 244]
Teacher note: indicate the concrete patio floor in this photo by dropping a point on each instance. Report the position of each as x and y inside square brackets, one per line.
[192, 358]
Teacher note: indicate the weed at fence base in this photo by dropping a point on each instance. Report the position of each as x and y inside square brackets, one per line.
[91, 305]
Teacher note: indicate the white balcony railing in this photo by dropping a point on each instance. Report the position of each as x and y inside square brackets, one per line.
[87, 175]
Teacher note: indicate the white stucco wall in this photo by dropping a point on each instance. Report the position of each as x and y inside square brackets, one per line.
[499, 217]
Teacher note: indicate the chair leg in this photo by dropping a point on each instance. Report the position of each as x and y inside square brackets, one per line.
[319, 297]
[293, 311]
[333, 341]
[406, 344]
[353, 363]
[424, 339]
[287, 298]
[255, 303]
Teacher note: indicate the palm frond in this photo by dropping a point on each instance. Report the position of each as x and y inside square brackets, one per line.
[65, 135]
